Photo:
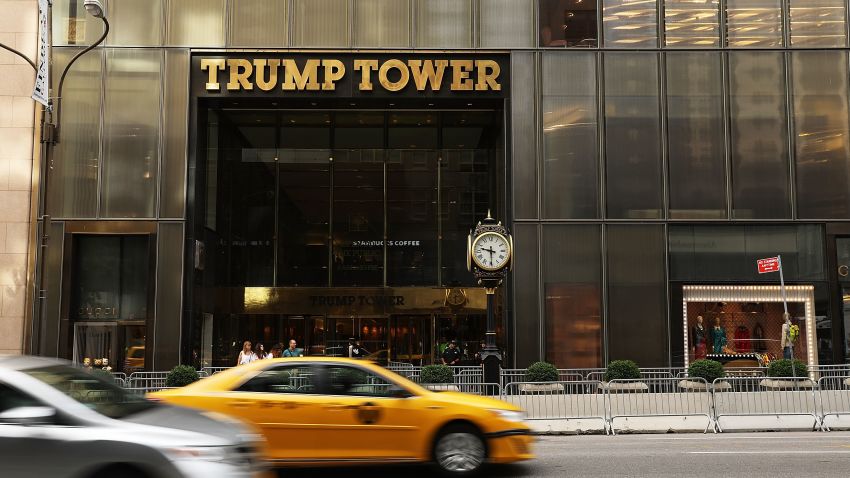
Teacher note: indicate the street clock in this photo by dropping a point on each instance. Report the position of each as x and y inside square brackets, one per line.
[489, 252]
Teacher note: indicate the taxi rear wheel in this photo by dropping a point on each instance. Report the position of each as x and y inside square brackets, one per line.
[459, 450]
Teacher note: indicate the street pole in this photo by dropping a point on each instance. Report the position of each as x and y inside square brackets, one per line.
[786, 317]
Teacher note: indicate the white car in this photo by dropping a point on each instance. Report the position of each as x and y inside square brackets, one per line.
[58, 420]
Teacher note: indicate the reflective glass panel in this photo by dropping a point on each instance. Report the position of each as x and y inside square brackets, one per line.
[637, 294]
[320, 23]
[692, 23]
[506, 23]
[526, 288]
[174, 133]
[571, 163]
[73, 178]
[131, 132]
[444, 24]
[382, 23]
[821, 132]
[759, 136]
[754, 23]
[135, 23]
[572, 275]
[195, 23]
[696, 137]
[259, 23]
[71, 25]
[630, 23]
[817, 23]
[567, 23]
[632, 136]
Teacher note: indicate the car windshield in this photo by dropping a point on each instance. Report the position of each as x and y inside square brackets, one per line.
[97, 393]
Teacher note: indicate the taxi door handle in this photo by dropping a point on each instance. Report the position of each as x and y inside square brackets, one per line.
[241, 403]
[338, 407]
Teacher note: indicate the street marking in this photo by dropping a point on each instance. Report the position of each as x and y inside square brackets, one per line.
[777, 452]
[749, 437]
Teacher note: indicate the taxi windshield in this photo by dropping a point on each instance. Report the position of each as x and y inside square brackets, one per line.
[97, 393]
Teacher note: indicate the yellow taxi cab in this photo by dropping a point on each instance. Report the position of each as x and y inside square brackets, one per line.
[330, 411]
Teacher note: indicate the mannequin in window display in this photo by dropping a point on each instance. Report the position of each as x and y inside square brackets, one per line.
[718, 336]
[698, 334]
[786, 342]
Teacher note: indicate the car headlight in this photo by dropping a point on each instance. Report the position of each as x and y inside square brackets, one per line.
[206, 453]
[510, 415]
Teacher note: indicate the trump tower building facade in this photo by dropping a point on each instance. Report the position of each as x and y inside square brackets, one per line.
[269, 170]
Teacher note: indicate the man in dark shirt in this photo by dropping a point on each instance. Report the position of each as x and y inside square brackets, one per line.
[451, 356]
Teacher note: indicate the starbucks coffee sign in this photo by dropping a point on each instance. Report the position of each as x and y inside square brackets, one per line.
[345, 74]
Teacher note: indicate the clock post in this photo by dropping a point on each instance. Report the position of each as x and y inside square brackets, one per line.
[489, 257]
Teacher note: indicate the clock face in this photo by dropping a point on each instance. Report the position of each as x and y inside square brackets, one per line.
[491, 251]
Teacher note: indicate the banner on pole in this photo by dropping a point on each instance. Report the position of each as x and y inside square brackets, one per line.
[41, 91]
[771, 264]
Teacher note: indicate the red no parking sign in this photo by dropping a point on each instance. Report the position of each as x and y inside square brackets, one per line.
[771, 264]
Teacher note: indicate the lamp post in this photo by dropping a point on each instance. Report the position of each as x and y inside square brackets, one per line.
[50, 122]
[489, 258]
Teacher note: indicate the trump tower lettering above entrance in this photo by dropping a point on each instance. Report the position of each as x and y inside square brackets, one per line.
[347, 75]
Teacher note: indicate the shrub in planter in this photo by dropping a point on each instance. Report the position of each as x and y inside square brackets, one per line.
[782, 368]
[181, 375]
[437, 374]
[541, 372]
[708, 370]
[622, 370]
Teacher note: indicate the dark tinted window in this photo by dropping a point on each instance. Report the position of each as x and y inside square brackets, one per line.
[286, 379]
[13, 398]
[343, 380]
[110, 278]
[526, 291]
[568, 23]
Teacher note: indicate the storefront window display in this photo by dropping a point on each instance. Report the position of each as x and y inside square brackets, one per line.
[743, 326]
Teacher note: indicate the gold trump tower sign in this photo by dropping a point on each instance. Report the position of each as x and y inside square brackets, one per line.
[349, 75]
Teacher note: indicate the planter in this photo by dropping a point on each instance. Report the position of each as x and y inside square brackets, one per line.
[441, 387]
[847, 383]
[627, 387]
[541, 388]
[694, 386]
[787, 384]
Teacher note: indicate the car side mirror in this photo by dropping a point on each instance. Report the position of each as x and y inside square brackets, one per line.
[28, 416]
[398, 392]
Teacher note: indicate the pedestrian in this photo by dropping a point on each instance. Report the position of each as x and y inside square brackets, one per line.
[277, 350]
[357, 350]
[292, 351]
[451, 356]
[246, 355]
[479, 356]
[261, 352]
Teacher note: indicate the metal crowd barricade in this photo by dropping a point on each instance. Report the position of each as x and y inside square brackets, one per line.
[146, 380]
[820, 371]
[120, 378]
[753, 397]
[658, 397]
[468, 374]
[834, 393]
[209, 371]
[473, 388]
[566, 400]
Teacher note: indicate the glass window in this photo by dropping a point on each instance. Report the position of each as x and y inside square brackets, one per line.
[283, 379]
[358, 221]
[526, 287]
[412, 217]
[817, 23]
[571, 145]
[356, 381]
[567, 23]
[71, 25]
[729, 253]
[696, 136]
[110, 277]
[382, 23]
[692, 23]
[630, 23]
[175, 133]
[135, 23]
[572, 275]
[73, 178]
[320, 23]
[524, 135]
[506, 23]
[444, 24]
[754, 23]
[632, 136]
[759, 136]
[131, 132]
[637, 294]
[13, 398]
[259, 23]
[821, 127]
[195, 23]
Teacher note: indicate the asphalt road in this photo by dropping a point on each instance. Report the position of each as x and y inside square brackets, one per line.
[797, 455]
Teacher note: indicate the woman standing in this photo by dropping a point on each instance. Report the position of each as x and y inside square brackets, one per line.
[261, 352]
[246, 355]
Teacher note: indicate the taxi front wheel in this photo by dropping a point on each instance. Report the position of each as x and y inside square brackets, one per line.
[459, 450]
